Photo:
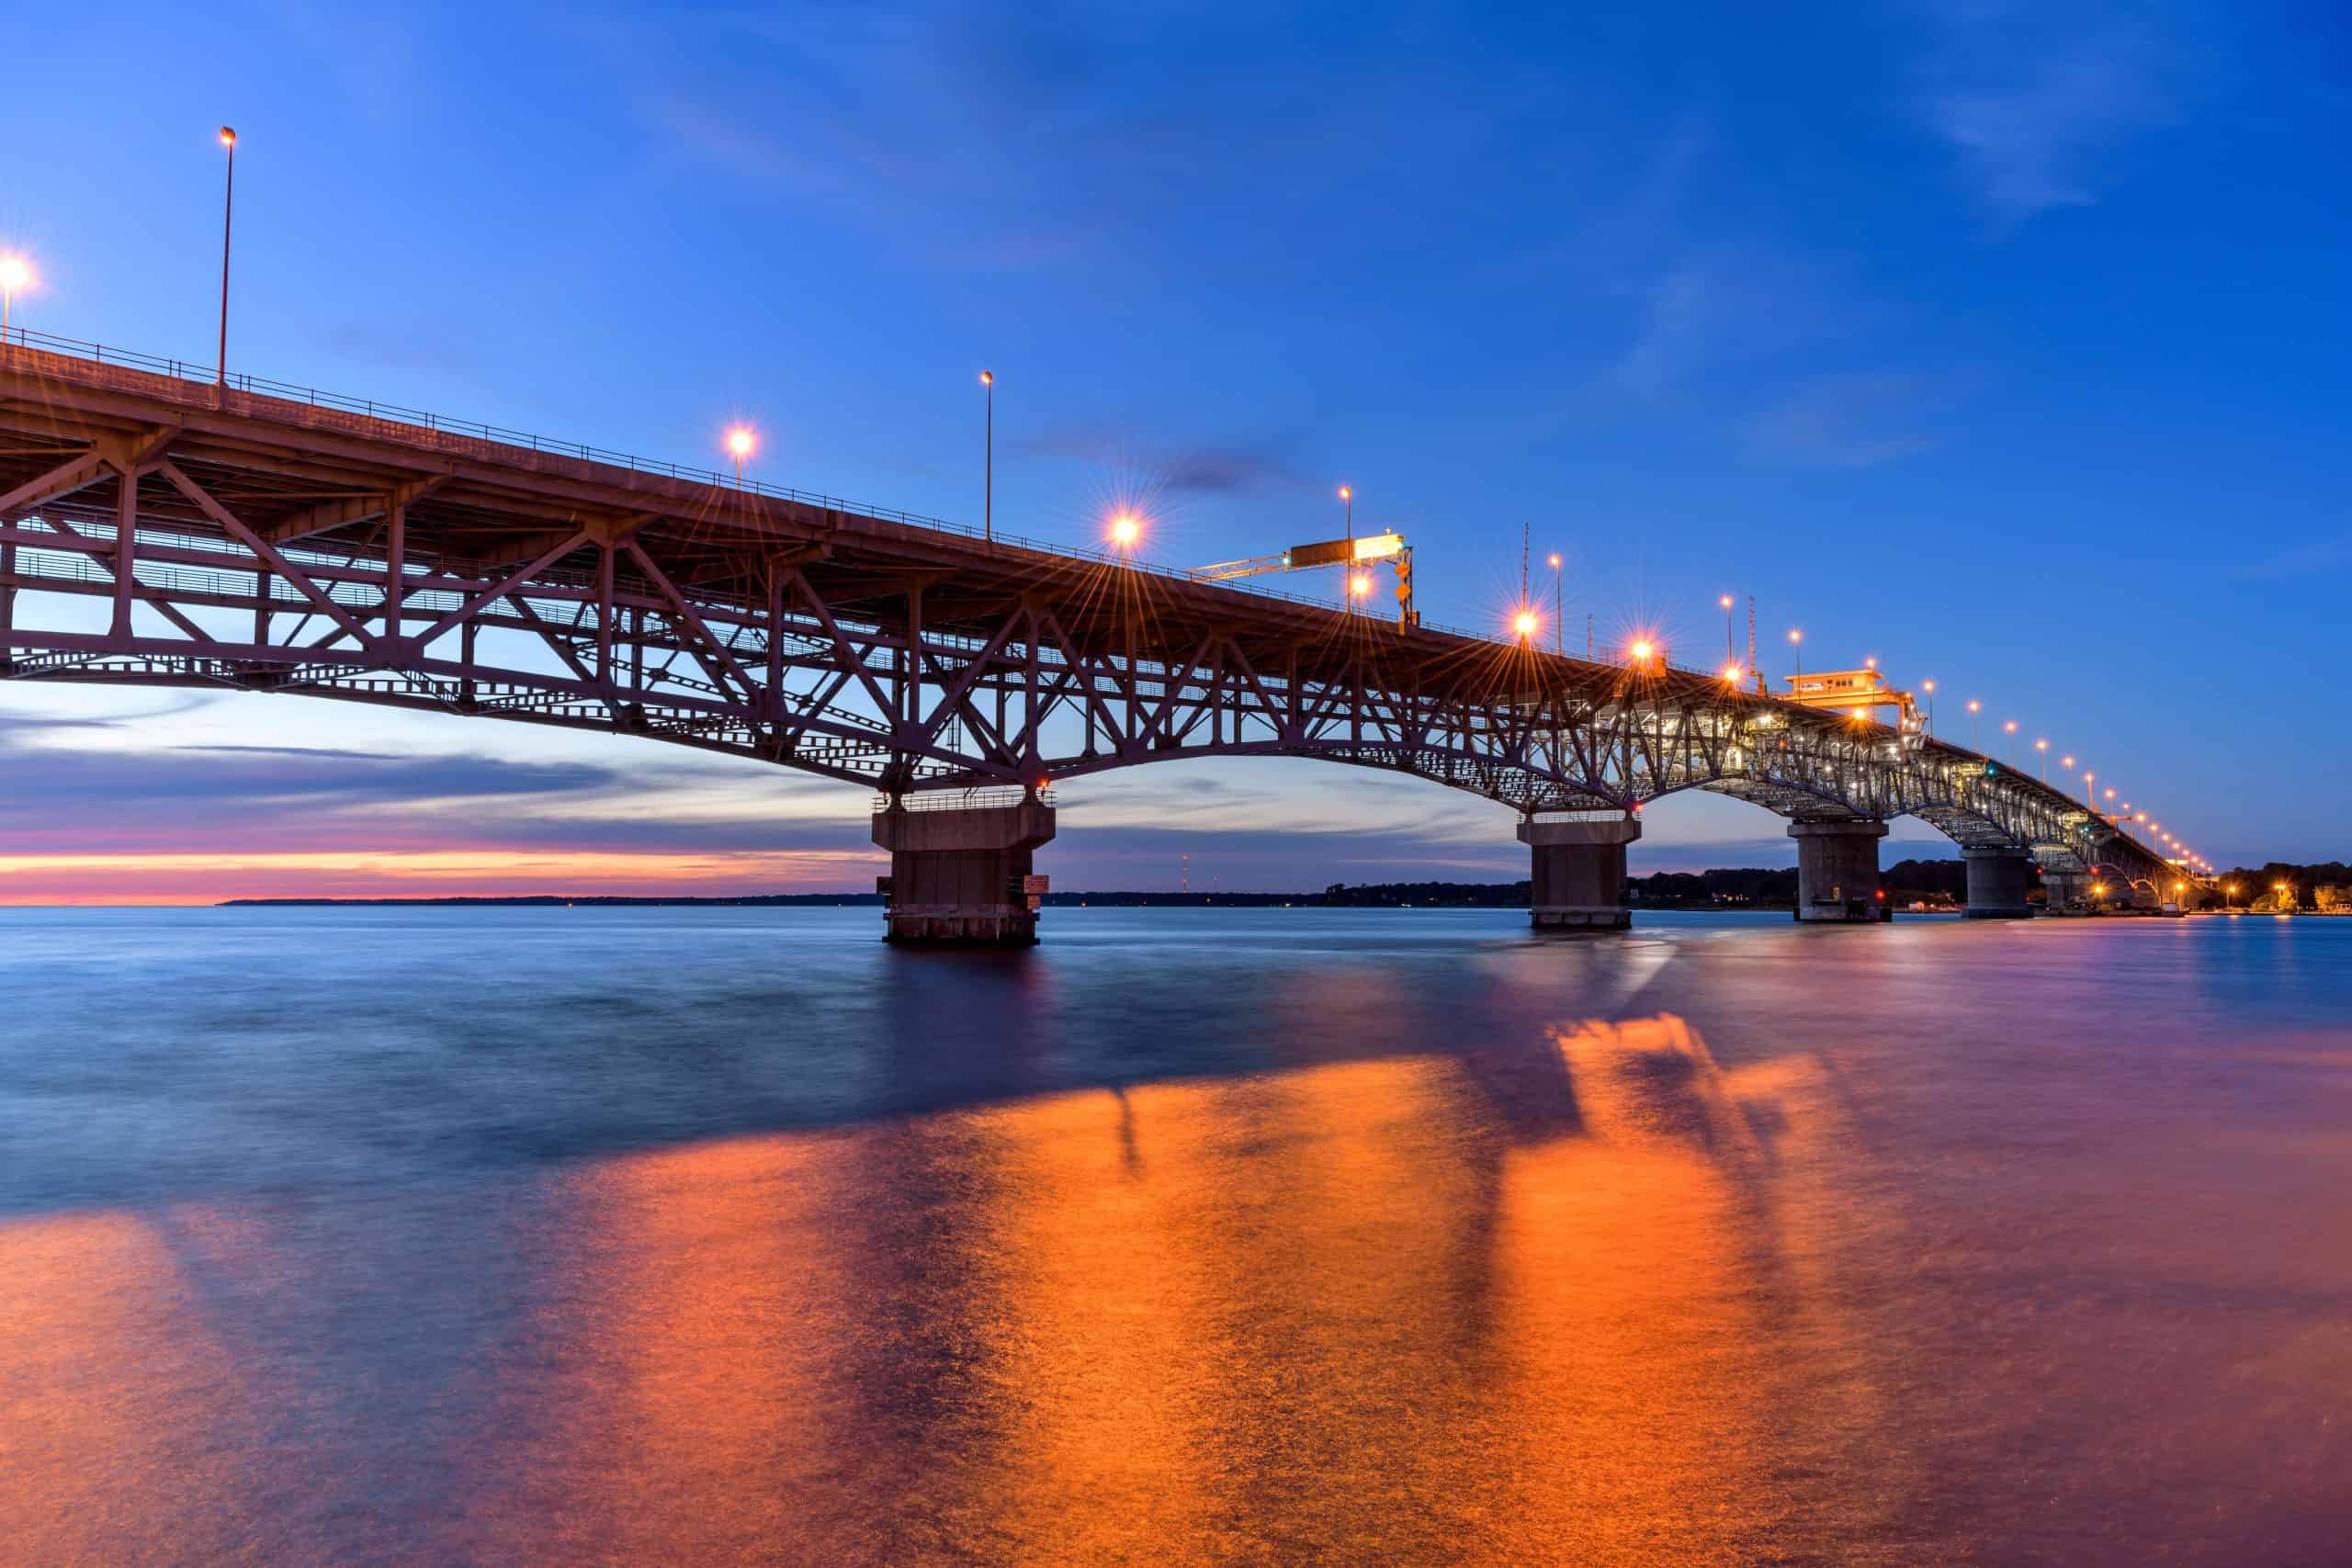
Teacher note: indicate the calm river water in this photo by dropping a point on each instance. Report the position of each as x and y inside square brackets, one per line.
[676, 1236]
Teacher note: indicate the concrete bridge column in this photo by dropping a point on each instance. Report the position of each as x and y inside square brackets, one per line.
[2065, 890]
[1576, 872]
[1997, 879]
[1838, 871]
[957, 876]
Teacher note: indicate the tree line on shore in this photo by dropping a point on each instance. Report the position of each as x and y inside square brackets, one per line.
[2324, 886]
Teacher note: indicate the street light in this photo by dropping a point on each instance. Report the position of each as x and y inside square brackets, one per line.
[1730, 653]
[1796, 648]
[1732, 674]
[2011, 728]
[228, 203]
[1347, 494]
[15, 273]
[1640, 650]
[1929, 687]
[988, 481]
[2043, 747]
[739, 443]
[1358, 584]
[1525, 624]
[1125, 529]
[1975, 739]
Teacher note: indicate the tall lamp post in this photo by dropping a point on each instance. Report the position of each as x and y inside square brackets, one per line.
[988, 481]
[2043, 747]
[1930, 688]
[228, 205]
[1559, 607]
[1348, 498]
[1731, 653]
[1796, 648]
[1976, 728]
[2010, 730]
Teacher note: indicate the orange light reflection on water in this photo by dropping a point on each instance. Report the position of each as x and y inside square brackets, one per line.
[1345, 1311]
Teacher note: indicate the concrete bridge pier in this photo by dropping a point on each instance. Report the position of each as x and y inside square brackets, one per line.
[959, 876]
[1837, 872]
[1997, 879]
[2065, 890]
[1577, 874]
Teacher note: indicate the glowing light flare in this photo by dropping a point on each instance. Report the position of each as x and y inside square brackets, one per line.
[987, 378]
[228, 136]
[1525, 624]
[1346, 494]
[741, 442]
[1640, 650]
[1360, 583]
[1555, 562]
[1125, 529]
[1732, 674]
[16, 274]
[1722, 603]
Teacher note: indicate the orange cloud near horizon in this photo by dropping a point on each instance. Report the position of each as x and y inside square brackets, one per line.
[83, 878]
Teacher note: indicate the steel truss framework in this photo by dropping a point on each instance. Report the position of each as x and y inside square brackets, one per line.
[156, 532]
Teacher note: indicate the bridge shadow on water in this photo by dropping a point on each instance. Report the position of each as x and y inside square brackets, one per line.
[158, 1091]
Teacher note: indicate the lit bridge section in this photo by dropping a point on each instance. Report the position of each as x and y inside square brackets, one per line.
[156, 530]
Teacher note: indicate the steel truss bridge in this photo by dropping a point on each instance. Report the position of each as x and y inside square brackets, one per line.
[157, 529]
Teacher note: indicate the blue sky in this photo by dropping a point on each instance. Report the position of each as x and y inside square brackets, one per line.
[2005, 342]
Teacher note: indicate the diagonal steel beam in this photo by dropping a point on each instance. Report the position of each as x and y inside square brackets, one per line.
[264, 549]
[501, 588]
[75, 473]
[727, 661]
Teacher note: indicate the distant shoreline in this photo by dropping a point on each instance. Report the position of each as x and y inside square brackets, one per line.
[1938, 883]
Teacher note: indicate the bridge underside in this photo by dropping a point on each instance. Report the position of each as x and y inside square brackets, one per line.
[153, 531]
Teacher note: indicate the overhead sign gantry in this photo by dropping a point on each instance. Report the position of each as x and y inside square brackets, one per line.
[1352, 554]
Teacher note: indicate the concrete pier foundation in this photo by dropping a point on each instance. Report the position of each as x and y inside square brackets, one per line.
[2065, 891]
[961, 878]
[1999, 877]
[1577, 874]
[1837, 872]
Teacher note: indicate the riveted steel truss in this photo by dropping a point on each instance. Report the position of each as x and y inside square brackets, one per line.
[156, 532]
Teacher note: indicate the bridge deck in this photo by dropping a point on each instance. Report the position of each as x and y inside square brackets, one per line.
[264, 535]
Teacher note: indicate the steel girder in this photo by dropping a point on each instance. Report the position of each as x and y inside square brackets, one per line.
[183, 536]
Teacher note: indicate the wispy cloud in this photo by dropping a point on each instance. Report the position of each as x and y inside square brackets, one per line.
[2295, 560]
[2033, 99]
[1721, 305]
[1209, 469]
[1855, 419]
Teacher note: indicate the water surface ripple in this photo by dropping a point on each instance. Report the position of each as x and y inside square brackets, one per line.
[610, 1235]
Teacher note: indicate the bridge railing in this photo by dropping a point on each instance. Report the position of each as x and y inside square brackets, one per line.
[963, 799]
